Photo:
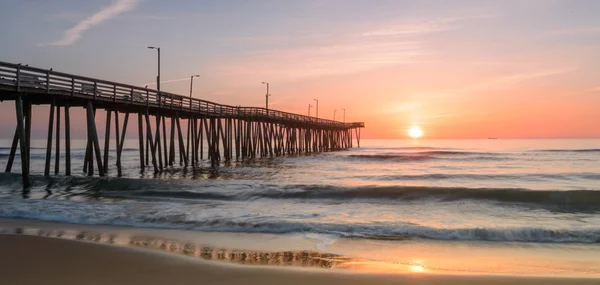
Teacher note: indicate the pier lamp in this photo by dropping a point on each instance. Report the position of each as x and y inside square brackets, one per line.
[309, 106]
[334, 114]
[317, 110]
[192, 83]
[158, 77]
[267, 97]
[344, 115]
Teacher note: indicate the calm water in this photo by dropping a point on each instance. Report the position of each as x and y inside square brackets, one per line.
[524, 191]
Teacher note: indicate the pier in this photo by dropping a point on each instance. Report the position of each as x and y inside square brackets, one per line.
[230, 132]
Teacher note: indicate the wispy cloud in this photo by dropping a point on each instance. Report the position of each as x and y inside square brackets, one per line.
[421, 26]
[509, 80]
[412, 29]
[364, 46]
[347, 56]
[73, 34]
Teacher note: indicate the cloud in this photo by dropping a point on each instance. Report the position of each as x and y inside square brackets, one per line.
[422, 26]
[359, 47]
[109, 12]
[509, 80]
[348, 55]
[412, 29]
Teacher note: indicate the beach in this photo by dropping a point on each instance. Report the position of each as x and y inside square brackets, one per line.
[513, 211]
[41, 260]
[59, 253]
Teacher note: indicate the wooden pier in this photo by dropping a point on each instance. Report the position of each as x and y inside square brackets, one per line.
[230, 132]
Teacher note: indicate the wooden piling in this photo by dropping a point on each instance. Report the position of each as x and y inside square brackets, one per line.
[141, 140]
[192, 133]
[49, 141]
[164, 135]
[94, 137]
[21, 132]
[157, 144]
[201, 139]
[107, 140]
[88, 165]
[181, 144]
[172, 146]
[57, 156]
[152, 145]
[28, 117]
[117, 143]
[121, 144]
[67, 141]
[187, 143]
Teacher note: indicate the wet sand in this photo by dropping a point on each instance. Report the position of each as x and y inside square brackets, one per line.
[41, 260]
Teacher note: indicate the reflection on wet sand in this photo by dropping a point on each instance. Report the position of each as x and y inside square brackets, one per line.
[312, 259]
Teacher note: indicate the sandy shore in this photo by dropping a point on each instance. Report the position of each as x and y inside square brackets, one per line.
[41, 260]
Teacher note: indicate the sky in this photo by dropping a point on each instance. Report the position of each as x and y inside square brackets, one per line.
[457, 69]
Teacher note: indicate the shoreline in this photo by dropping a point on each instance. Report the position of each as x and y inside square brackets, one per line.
[307, 252]
[35, 259]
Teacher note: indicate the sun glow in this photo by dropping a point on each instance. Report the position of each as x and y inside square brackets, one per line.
[417, 268]
[415, 132]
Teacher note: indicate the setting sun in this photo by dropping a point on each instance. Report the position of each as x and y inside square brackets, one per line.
[415, 132]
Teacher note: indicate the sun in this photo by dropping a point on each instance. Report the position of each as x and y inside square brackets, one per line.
[415, 132]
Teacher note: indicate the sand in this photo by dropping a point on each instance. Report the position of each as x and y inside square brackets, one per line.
[42, 260]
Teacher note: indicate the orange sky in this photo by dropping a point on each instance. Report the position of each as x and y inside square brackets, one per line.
[457, 69]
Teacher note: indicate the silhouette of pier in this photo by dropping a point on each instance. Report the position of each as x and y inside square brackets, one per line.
[230, 132]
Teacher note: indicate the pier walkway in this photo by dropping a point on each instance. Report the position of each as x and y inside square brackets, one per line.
[230, 132]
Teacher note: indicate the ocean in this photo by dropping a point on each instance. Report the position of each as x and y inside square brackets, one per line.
[494, 191]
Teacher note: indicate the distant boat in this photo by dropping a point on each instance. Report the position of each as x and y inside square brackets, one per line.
[491, 138]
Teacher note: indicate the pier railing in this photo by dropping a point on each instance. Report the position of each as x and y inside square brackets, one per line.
[38, 80]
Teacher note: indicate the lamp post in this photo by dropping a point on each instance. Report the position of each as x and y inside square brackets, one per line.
[192, 84]
[157, 77]
[309, 106]
[317, 111]
[344, 115]
[267, 97]
[334, 114]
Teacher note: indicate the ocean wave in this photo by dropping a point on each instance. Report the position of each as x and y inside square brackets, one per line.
[397, 231]
[430, 155]
[574, 200]
[148, 189]
[406, 148]
[391, 157]
[172, 218]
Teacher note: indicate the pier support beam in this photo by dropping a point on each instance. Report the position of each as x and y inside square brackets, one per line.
[182, 155]
[152, 145]
[22, 142]
[141, 140]
[107, 140]
[57, 156]
[121, 142]
[172, 144]
[49, 141]
[93, 135]
[67, 141]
